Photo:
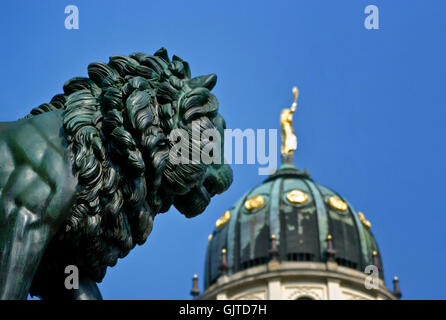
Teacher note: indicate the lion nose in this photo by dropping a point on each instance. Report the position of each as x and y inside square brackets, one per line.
[219, 181]
[210, 183]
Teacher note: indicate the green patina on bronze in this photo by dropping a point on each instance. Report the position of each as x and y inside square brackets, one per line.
[300, 229]
[82, 177]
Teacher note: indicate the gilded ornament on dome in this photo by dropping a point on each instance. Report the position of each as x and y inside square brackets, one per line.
[254, 202]
[289, 140]
[297, 196]
[336, 203]
[364, 221]
[223, 219]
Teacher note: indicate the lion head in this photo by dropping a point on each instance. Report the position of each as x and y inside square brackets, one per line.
[118, 123]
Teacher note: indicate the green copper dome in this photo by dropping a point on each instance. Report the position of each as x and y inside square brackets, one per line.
[307, 221]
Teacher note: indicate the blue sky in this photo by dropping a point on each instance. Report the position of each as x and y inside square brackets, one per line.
[370, 122]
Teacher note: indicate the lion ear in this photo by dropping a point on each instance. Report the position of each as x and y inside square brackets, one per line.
[207, 82]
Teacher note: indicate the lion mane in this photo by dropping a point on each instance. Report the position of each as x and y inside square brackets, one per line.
[116, 123]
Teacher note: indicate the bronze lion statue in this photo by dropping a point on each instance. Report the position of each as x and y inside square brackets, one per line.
[83, 177]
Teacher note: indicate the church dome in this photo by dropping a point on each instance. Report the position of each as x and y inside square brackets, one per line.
[289, 217]
[292, 238]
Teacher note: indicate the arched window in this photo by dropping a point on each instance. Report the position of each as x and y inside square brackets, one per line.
[304, 298]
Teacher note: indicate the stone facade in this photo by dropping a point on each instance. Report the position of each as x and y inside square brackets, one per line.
[296, 280]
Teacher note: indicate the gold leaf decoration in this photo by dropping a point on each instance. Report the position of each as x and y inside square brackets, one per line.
[364, 221]
[223, 219]
[297, 196]
[336, 203]
[254, 202]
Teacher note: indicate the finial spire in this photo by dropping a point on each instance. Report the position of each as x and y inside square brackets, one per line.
[195, 292]
[289, 140]
[396, 288]
[224, 267]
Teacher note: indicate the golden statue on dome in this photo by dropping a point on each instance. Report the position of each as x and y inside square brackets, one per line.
[289, 140]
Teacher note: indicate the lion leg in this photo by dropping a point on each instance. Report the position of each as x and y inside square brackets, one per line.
[37, 188]
[22, 243]
[25, 227]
